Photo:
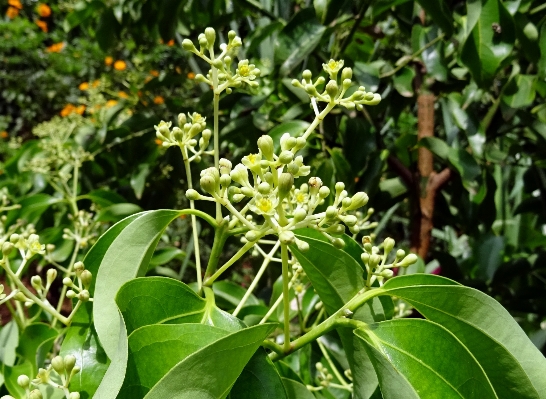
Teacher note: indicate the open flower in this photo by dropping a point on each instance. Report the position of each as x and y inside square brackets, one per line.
[42, 25]
[44, 10]
[108, 61]
[55, 48]
[83, 86]
[120, 65]
[264, 205]
[333, 67]
[252, 162]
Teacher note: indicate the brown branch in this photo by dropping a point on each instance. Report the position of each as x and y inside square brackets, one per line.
[401, 169]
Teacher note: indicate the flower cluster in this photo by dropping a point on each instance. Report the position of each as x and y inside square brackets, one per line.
[184, 136]
[222, 77]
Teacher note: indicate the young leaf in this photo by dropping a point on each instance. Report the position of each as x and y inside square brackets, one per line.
[296, 390]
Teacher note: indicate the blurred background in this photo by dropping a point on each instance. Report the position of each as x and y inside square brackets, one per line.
[453, 158]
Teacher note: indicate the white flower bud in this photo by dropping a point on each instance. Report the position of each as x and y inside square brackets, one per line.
[286, 157]
[409, 260]
[350, 220]
[51, 275]
[324, 192]
[358, 200]
[83, 296]
[315, 183]
[338, 243]
[87, 278]
[286, 181]
[251, 235]
[225, 180]
[79, 267]
[36, 282]
[264, 188]
[23, 381]
[332, 89]
[192, 195]
[400, 254]
[58, 364]
[210, 35]
[302, 245]
[35, 394]
[266, 146]
[7, 248]
[188, 45]
[388, 245]
[69, 363]
[287, 237]
[299, 215]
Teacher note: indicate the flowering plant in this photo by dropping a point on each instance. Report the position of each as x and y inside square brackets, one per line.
[131, 336]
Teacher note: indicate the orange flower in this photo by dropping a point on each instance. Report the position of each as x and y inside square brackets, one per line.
[120, 65]
[80, 109]
[170, 42]
[4, 135]
[122, 94]
[67, 110]
[83, 86]
[42, 25]
[96, 83]
[191, 75]
[159, 100]
[12, 12]
[154, 73]
[44, 10]
[16, 4]
[111, 103]
[55, 48]
[158, 142]
[108, 60]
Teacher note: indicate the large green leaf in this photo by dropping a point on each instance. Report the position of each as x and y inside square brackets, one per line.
[297, 40]
[259, 380]
[35, 342]
[11, 373]
[127, 257]
[162, 300]
[515, 367]
[155, 349]
[431, 359]
[296, 390]
[211, 371]
[490, 40]
[440, 13]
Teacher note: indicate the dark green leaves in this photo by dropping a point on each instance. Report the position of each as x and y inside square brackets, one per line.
[428, 357]
[297, 40]
[440, 14]
[490, 41]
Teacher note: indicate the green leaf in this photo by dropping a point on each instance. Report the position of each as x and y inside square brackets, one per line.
[32, 208]
[437, 146]
[116, 212]
[35, 343]
[12, 373]
[521, 91]
[431, 359]
[517, 369]
[155, 349]
[403, 82]
[165, 255]
[440, 13]
[9, 340]
[103, 198]
[232, 293]
[484, 48]
[138, 179]
[297, 40]
[296, 390]
[81, 341]
[542, 44]
[259, 380]
[211, 371]
[149, 300]
[126, 258]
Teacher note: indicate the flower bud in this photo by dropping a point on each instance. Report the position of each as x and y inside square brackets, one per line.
[346, 73]
[208, 184]
[332, 89]
[307, 75]
[264, 188]
[400, 254]
[286, 181]
[210, 35]
[286, 157]
[293, 168]
[288, 143]
[350, 220]
[69, 363]
[188, 45]
[346, 203]
[315, 183]
[7, 248]
[58, 364]
[302, 245]
[247, 191]
[388, 245]
[68, 282]
[14, 238]
[365, 257]
[358, 200]
[20, 297]
[374, 260]
[43, 376]
[409, 260]
[83, 296]
[86, 278]
[251, 235]
[23, 381]
[192, 195]
[266, 146]
[287, 237]
[51, 275]
[225, 180]
[79, 267]
[331, 212]
[239, 174]
[299, 215]
[324, 192]
[50, 248]
[74, 395]
[338, 243]
[36, 282]
[35, 394]
[387, 273]
[70, 294]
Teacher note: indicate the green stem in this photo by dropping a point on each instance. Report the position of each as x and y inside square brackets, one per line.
[537, 9]
[65, 288]
[220, 237]
[216, 133]
[332, 365]
[286, 296]
[193, 219]
[244, 249]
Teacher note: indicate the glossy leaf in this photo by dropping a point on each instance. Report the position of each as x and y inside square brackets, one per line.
[116, 212]
[486, 46]
[11, 373]
[155, 349]
[259, 380]
[403, 82]
[9, 340]
[424, 354]
[483, 326]
[231, 294]
[297, 40]
[126, 257]
[35, 342]
[296, 390]
[211, 371]
[440, 13]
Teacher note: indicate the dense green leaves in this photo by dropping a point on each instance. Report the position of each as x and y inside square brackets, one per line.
[431, 360]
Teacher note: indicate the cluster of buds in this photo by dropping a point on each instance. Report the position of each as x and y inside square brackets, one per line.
[332, 94]
[184, 136]
[80, 290]
[66, 369]
[84, 230]
[222, 76]
[376, 264]
[272, 195]
[324, 376]
[28, 246]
